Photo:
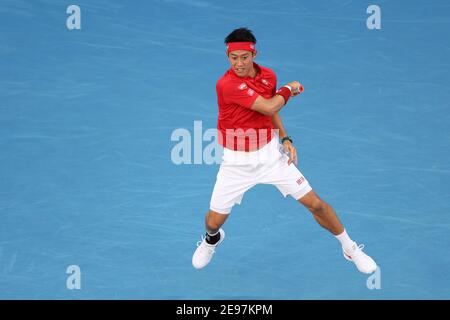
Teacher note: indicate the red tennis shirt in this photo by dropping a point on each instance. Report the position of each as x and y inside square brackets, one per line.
[239, 127]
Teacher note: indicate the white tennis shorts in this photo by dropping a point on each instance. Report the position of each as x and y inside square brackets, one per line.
[241, 170]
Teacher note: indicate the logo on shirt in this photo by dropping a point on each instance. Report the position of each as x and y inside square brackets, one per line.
[300, 181]
[264, 81]
[250, 92]
[242, 86]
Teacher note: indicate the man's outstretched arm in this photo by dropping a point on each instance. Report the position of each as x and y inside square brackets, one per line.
[278, 125]
[288, 146]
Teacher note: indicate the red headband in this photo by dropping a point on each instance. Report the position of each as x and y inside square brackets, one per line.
[249, 46]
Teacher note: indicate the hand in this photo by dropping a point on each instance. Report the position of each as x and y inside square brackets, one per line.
[290, 149]
[297, 88]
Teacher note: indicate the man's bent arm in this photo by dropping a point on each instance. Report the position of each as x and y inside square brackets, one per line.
[271, 106]
[268, 106]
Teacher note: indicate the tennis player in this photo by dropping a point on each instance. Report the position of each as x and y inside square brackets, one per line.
[257, 150]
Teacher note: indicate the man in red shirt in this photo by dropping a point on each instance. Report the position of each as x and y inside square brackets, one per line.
[249, 127]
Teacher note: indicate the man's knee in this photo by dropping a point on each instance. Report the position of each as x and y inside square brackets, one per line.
[313, 203]
[318, 206]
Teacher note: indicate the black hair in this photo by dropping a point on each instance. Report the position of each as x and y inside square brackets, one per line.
[240, 35]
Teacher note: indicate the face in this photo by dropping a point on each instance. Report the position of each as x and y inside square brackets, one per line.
[241, 62]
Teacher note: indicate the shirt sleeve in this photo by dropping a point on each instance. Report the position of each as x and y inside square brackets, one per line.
[240, 94]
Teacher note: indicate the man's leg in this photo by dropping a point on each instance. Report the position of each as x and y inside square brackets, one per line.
[214, 220]
[214, 236]
[322, 212]
[327, 218]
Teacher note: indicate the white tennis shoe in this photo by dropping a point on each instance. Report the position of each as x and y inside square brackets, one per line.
[205, 251]
[363, 262]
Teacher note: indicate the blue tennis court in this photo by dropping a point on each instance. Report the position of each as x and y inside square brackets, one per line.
[87, 177]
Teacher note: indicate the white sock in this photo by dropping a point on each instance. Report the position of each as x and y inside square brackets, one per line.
[345, 241]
